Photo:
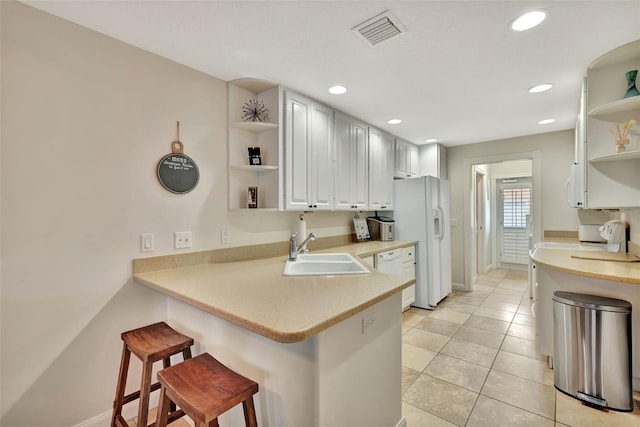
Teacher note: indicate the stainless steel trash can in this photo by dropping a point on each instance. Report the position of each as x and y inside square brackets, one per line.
[592, 356]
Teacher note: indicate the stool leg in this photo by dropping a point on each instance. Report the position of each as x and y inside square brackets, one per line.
[145, 390]
[212, 423]
[249, 413]
[122, 383]
[166, 362]
[163, 409]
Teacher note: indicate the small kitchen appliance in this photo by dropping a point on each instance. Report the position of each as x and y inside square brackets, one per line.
[381, 227]
[615, 233]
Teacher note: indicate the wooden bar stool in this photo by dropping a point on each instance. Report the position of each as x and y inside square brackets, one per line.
[150, 344]
[204, 388]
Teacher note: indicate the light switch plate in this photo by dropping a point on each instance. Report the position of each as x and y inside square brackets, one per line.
[146, 242]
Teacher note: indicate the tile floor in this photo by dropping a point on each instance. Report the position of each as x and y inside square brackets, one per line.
[472, 362]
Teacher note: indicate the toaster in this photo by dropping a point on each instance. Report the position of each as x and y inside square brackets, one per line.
[381, 227]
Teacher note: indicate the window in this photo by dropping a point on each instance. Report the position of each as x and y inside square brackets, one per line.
[516, 205]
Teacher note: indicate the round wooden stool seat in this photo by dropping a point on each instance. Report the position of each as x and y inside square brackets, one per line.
[204, 389]
[150, 344]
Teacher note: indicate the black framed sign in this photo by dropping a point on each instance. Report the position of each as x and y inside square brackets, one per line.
[177, 172]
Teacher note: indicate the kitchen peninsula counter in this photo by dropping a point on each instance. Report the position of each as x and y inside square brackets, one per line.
[565, 261]
[254, 295]
[318, 346]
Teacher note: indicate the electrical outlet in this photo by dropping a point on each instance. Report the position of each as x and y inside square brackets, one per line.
[182, 239]
[224, 236]
[454, 222]
[146, 243]
[368, 322]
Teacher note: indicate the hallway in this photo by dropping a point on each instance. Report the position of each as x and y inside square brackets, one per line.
[472, 362]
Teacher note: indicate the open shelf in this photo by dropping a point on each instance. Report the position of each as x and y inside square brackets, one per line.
[626, 155]
[618, 111]
[255, 127]
[254, 168]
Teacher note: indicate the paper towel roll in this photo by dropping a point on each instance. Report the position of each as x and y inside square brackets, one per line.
[302, 231]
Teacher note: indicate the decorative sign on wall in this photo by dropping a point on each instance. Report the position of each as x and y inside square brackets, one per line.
[177, 172]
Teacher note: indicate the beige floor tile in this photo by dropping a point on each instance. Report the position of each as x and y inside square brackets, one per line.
[499, 305]
[524, 367]
[438, 326]
[425, 339]
[411, 319]
[561, 425]
[517, 274]
[470, 299]
[492, 413]
[450, 316]
[505, 298]
[408, 378]
[488, 324]
[416, 417]
[474, 353]
[457, 372]
[528, 395]
[514, 285]
[485, 286]
[524, 309]
[489, 283]
[442, 399]
[522, 331]
[573, 413]
[508, 292]
[479, 336]
[416, 358]
[520, 346]
[524, 319]
[406, 328]
[462, 307]
[505, 316]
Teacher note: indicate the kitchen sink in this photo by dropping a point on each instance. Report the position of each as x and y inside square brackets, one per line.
[330, 264]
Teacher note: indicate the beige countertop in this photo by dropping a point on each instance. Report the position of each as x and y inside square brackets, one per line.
[573, 262]
[254, 294]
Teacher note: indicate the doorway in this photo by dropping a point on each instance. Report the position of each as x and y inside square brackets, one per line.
[488, 244]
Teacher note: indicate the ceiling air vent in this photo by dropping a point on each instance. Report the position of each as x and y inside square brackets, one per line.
[379, 29]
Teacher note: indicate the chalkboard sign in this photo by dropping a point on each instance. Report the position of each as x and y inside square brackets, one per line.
[177, 172]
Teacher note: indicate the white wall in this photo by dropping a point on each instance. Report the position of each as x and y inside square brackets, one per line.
[556, 151]
[85, 119]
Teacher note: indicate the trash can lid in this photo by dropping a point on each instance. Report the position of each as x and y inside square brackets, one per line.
[593, 302]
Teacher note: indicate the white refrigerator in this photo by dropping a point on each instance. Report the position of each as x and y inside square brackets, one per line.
[421, 213]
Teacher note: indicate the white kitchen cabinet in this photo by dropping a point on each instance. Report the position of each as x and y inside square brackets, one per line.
[350, 179]
[243, 135]
[433, 160]
[381, 170]
[409, 268]
[308, 178]
[613, 179]
[407, 159]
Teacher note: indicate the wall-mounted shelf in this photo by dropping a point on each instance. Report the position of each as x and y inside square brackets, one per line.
[243, 135]
[626, 155]
[255, 127]
[254, 168]
[619, 111]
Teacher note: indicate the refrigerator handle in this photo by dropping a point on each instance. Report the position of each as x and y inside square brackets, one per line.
[443, 228]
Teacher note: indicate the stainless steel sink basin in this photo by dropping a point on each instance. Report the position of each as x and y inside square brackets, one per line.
[330, 264]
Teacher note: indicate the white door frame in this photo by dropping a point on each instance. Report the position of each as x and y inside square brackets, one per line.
[469, 242]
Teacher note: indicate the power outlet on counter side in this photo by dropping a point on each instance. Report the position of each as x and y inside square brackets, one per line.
[368, 322]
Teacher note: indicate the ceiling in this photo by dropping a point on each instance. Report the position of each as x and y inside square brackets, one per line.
[459, 73]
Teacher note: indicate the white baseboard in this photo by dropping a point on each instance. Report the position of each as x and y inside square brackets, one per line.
[128, 412]
[402, 422]
[458, 286]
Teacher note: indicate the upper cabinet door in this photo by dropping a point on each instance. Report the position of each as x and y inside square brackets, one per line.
[321, 157]
[381, 169]
[297, 142]
[407, 159]
[350, 187]
[308, 154]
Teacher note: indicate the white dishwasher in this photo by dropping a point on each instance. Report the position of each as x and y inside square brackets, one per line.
[399, 262]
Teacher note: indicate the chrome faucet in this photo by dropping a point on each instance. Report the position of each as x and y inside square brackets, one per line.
[294, 250]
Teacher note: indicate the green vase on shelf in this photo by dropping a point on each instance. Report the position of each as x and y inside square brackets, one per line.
[632, 90]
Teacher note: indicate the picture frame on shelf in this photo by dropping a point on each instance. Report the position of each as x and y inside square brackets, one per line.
[252, 198]
[254, 155]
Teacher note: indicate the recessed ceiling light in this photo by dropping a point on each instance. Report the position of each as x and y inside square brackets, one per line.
[394, 121]
[546, 121]
[337, 90]
[540, 88]
[430, 140]
[528, 20]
